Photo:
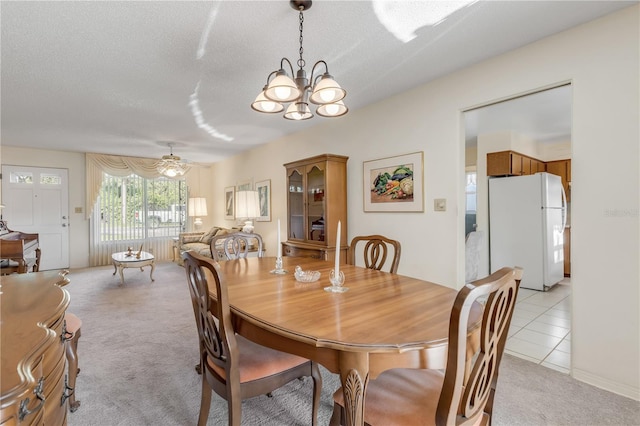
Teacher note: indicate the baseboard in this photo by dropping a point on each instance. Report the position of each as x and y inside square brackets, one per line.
[606, 384]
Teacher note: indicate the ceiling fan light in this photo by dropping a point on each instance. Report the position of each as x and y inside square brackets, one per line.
[335, 109]
[282, 88]
[298, 111]
[171, 166]
[327, 91]
[263, 104]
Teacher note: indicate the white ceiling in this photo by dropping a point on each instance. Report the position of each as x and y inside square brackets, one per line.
[129, 77]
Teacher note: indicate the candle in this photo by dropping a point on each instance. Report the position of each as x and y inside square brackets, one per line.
[337, 267]
[279, 245]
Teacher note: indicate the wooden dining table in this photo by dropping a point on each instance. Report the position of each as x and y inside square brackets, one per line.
[383, 321]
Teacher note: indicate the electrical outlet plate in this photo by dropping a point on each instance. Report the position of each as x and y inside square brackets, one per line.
[440, 204]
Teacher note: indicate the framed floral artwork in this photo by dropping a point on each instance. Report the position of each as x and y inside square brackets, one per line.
[264, 195]
[394, 184]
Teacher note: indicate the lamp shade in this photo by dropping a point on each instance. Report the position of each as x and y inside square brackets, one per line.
[247, 204]
[197, 207]
[298, 111]
[282, 88]
[335, 109]
[263, 104]
[327, 91]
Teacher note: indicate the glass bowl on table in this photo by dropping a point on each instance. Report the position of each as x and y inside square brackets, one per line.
[306, 276]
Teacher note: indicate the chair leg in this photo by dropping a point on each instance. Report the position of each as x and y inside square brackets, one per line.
[205, 402]
[317, 391]
[336, 417]
[234, 404]
[71, 348]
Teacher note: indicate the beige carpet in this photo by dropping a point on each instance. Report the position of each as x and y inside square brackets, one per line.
[139, 346]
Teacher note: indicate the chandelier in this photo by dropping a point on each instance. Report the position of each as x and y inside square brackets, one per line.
[320, 89]
[170, 165]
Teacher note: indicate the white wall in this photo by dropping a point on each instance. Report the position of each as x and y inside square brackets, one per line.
[601, 60]
[74, 162]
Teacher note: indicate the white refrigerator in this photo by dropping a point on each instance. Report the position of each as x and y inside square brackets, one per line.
[527, 216]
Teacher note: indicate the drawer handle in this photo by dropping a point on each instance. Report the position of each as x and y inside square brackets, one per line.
[24, 411]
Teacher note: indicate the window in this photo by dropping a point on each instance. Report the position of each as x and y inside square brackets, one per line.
[471, 202]
[138, 213]
[470, 192]
[134, 208]
[21, 177]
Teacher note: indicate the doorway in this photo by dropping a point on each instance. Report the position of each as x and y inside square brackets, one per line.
[538, 127]
[36, 200]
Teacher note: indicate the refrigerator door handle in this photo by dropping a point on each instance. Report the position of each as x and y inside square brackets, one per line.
[564, 208]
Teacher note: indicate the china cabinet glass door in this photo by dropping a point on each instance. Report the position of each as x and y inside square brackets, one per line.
[315, 202]
[296, 206]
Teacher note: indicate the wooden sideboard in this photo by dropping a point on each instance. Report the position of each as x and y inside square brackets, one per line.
[33, 362]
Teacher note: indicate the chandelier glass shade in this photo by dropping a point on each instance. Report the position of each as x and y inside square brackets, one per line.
[171, 166]
[319, 89]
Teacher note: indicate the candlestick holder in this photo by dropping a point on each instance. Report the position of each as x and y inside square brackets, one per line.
[278, 269]
[337, 282]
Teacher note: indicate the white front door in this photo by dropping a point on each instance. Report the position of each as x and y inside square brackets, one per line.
[36, 200]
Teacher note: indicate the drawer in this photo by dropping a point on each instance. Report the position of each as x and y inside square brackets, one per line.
[53, 356]
[302, 252]
[10, 415]
[54, 409]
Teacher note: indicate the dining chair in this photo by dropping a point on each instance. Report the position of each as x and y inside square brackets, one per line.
[232, 366]
[459, 395]
[375, 250]
[235, 246]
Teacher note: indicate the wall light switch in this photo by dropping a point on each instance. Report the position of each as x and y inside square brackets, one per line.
[78, 210]
[440, 204]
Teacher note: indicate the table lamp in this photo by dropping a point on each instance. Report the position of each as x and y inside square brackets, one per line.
[247, 208]
[197, 209]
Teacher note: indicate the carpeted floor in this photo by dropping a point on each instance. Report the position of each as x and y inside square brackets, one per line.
[139, 347]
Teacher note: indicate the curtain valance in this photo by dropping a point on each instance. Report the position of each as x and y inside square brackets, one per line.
[114, 165]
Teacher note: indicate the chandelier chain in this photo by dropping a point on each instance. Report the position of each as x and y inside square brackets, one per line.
[301, 62]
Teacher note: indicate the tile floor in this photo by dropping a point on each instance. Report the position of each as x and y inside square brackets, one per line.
[541, 327]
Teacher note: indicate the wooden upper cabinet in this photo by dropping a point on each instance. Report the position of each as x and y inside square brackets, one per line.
[562, 168]
[316, 201]
[511, 163]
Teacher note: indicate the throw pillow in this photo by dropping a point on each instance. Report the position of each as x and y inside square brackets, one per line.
[206, 238]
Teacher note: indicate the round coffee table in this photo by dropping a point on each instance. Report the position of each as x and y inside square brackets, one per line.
[126, 259]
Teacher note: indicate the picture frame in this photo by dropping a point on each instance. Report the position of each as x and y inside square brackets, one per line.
[229, 203]
[264, 194]
[244, 185]
[394, 184]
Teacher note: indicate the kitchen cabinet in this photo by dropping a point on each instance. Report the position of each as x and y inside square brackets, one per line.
[511, 163]
[562, 168]
[316, 201]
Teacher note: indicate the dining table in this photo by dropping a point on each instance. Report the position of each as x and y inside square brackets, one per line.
[382, 321]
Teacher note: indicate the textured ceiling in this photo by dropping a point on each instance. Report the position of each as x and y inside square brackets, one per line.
[129, 77]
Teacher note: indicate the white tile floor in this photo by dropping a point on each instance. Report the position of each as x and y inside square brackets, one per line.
[541, 327]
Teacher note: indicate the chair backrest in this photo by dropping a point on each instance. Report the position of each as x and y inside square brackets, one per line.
[376, 249]
[213, 316]
[235, 246]
[467, 390]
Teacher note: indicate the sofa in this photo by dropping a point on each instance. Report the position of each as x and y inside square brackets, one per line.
[199, 241]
